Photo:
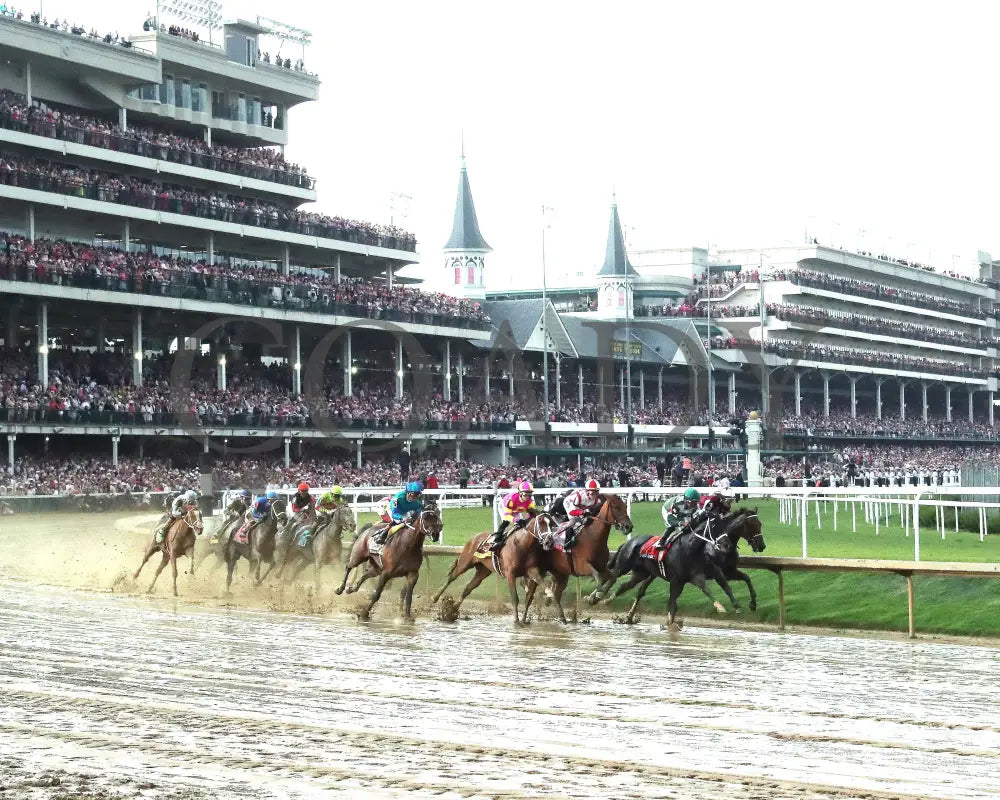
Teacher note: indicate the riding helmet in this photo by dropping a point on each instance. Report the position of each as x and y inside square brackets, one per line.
[272, 495]
[303, 487]
[337, 491]
[414, 487]
[526, 487]
[692, 495]
[593, 486]
[244, 493]
[190, 496]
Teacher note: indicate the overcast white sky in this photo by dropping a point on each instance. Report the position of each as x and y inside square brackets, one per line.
[732, 124]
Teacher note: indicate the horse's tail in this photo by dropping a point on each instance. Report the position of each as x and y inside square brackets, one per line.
[624, 558]
[613, 559]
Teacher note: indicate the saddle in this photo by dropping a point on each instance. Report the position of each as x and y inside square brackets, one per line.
[648, 550]
[242, 535]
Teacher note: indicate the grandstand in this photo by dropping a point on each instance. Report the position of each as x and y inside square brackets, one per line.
[161, 284]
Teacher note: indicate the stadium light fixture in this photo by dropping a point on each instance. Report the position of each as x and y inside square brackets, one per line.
[286, 33]
[203, 13]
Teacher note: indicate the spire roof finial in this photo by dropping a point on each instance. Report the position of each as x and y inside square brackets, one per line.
[616, 257]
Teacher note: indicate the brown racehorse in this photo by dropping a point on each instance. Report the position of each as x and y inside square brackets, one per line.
[402, 554]
[178, 541]
[589, 556]
[520, 556]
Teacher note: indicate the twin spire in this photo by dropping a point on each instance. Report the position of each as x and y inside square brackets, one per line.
[465, 234]
[616, 257]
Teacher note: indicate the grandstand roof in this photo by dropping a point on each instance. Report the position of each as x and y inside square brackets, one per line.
[465, 233]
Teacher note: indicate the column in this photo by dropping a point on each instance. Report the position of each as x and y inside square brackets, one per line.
[336, 268]
[642, 388]
[826, 394]
[204, 444]
[126, 235]
[458, 450]
[288, 453]
[878, 397]
[286, 259]
[510, 377]
[947, 402]
[579, 382]
[27, 82]
[754, 436]
[486, 375]
[102, 334]
[446, 369]
[732, 392]
[43, 343]
[399, 370]
[114, 449]
[902, 399]
[31, 222]
[923, 397]
[990, 398]
[558, 380]
[357, 454]
[348, 365]
[971, 393]
[208, 135]
[297, 361]
[11, 338]
[220, 371]
[659, 389]
[854, 396]
[388, 277]
[798, 393]
[711, 391]
[461, 378]
[11, 438]
[621, 386]
[137, 347]
[141, 440]
[765, 392]
[123, 118]
[210, 248]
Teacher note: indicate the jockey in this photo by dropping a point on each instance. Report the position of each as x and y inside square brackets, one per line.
[261, 507]
[328, 505]
[677, 512]
[302, 500]
[580, 505]
[714, 503]
[181, 503]
[519, 507]
[238, 505]
[403, 509]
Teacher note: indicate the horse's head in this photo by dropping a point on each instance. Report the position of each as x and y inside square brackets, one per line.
[751, 530]
[192, 517]
[344, 517]
[615, 512]
[429, 522]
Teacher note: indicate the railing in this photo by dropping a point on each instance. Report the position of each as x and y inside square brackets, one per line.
[163, 152]
[971, 436]
[888, 295]
[236, 291]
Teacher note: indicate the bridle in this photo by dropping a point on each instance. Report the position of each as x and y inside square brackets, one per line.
[429, 531]
[607, 516]
[194, 520]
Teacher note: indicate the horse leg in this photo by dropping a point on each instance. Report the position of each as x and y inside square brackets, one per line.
[149, 554]
[382, 581]
[532, 582]
[699, 581]
[270, 566]
[720, 578]
[643, 585]
[512, 588]
[173, 566]
[370, 572]
[481, 574]
[453, 573]
[159, 569]
[407, 594]
[559, 586]
[231, 559]
[352, 562]
[631, 583]
[676, 587]
[601, 578]
[741, 575]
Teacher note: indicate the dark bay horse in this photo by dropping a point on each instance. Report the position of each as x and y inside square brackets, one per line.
[521, 556]
[691, 558]
[178, 541]
[260, 546]
[402, 555]
[726, 565]
[326, 546]
[589, 555]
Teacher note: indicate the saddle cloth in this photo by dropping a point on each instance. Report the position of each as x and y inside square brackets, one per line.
[649, 550]
[242, 536]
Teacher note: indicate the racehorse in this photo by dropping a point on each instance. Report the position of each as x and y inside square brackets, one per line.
[589, 554]
[258, 547]
[178, 541]
[402, 554]
[726, 568]
[689, 559]
[220, 539]
[326, 546]
[520, 556]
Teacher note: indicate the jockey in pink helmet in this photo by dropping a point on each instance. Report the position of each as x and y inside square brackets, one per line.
[519, 507]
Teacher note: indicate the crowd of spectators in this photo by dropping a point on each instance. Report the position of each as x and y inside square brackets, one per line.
[87, 266]
[892, 294]
[93, 184]
[812, 423]
[64, 26]
[845, 355]
[42, 120]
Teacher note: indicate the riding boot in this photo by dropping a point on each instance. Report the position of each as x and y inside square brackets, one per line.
[662, 542]
[498, 541]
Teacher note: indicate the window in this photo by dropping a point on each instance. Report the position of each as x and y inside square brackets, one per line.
[255, 111]
[458, 276]
[167, 90]
[621, 297]
[150, 92]
[198, 95]
[241, 108]
[185, 94]
[472, 276]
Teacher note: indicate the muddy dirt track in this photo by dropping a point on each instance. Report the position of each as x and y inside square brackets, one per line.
[115, 694]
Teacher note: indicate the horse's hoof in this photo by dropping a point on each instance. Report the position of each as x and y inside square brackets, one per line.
[738, 609]
[135, 574]
[339, 590]
[720, 608]
[364, 615]
[753, 606]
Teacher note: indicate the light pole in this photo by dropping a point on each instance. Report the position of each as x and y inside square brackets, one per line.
[708, 350]
[545, 331]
